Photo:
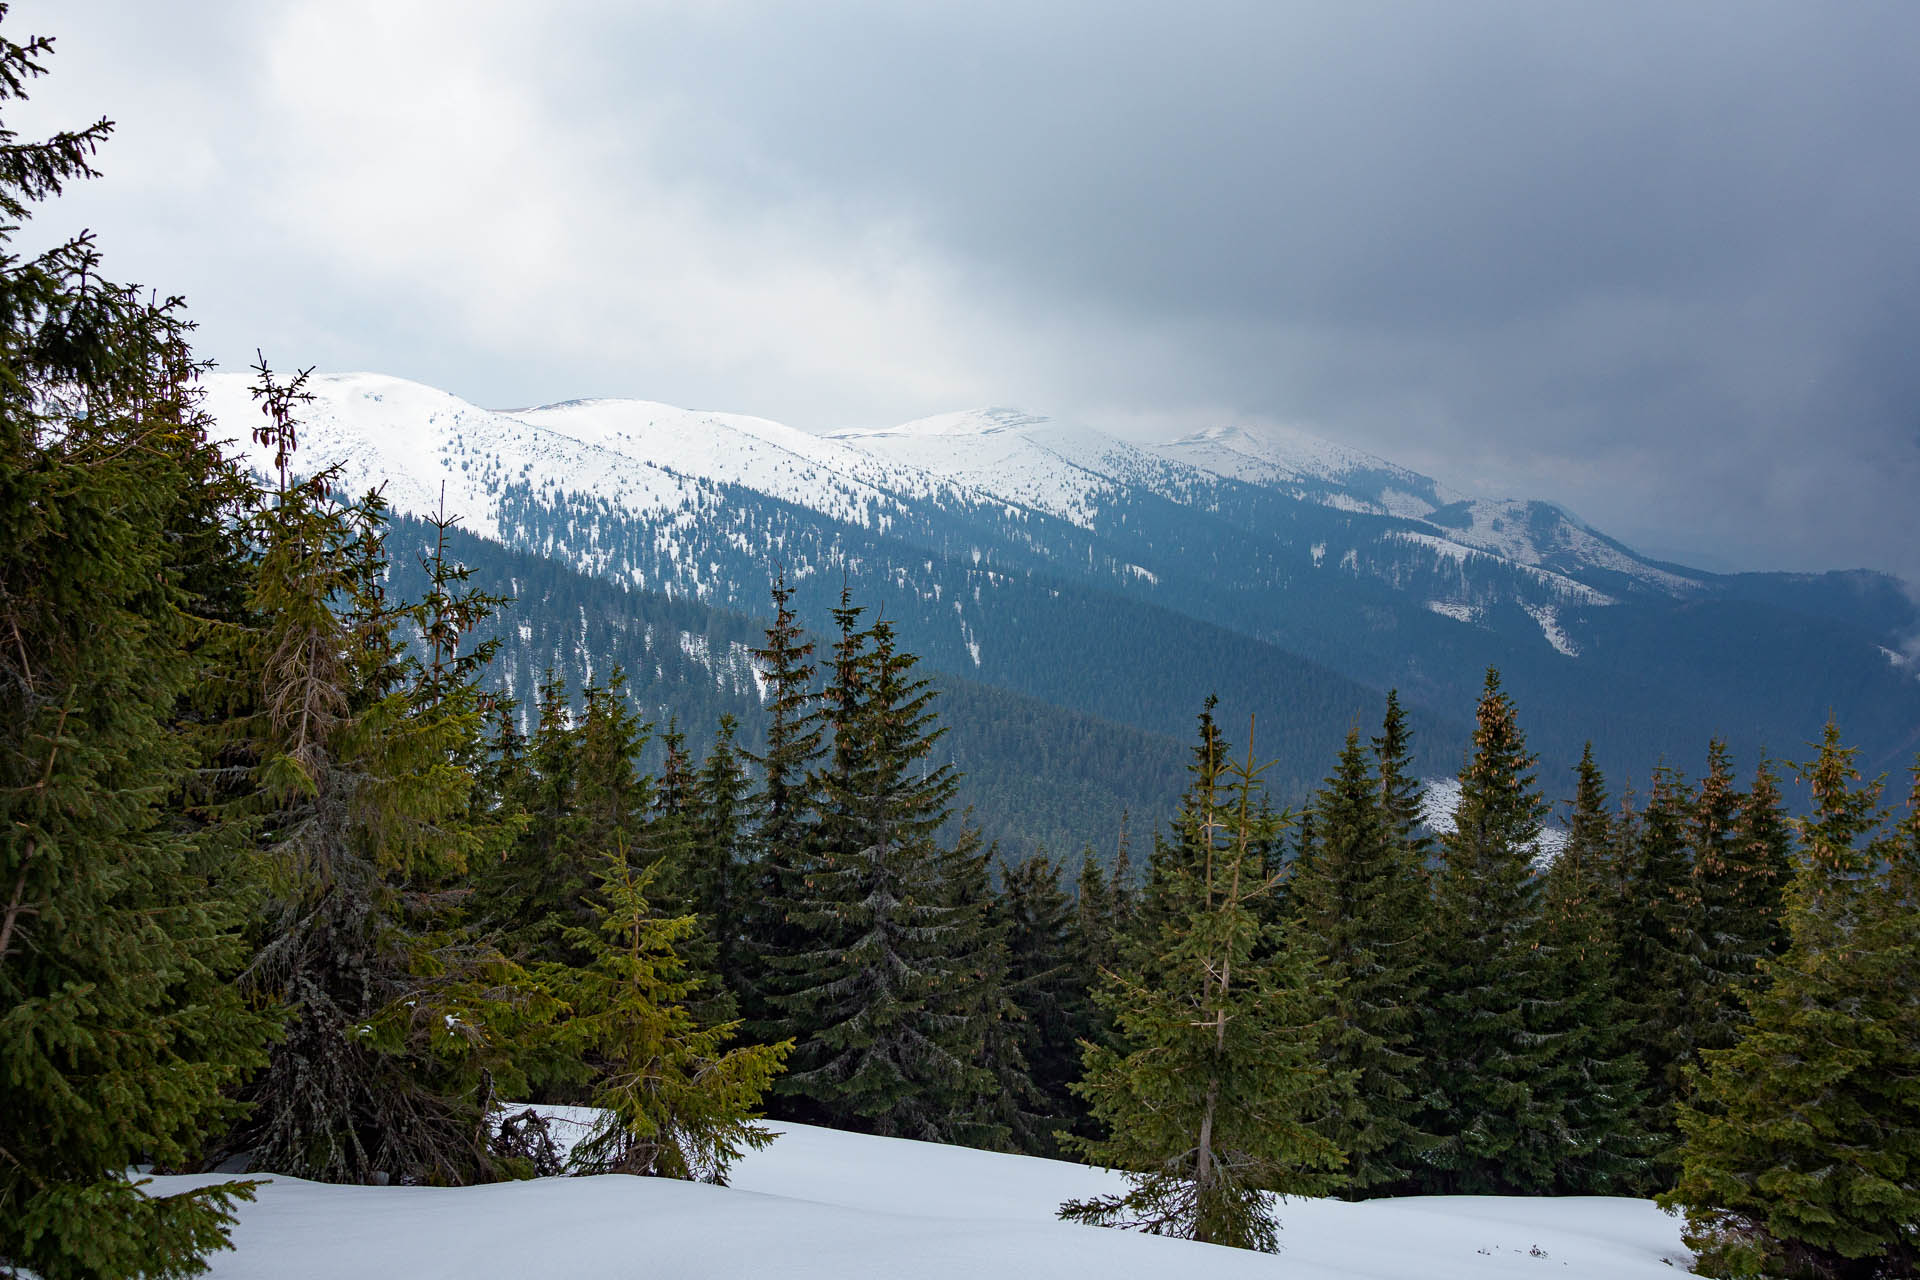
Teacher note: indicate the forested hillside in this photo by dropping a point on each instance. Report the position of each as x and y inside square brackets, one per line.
[1037, 773]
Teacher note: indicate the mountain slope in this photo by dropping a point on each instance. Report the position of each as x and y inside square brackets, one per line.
[1123, 582]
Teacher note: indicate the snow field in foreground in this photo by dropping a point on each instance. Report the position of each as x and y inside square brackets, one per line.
[840, 1206]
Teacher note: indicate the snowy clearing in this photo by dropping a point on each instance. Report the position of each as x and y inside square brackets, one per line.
[841, 1206]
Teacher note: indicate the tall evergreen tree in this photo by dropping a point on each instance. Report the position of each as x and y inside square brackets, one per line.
[1401, 793]
[1738, 904]
[1208, 1099]
[121, 1035]
[1662, 951]
[1499, 1132]
[1093, 914]
[718, 870]
[1596, 1071]
[868, 996]
[401, 1021]
[781, 839]
[1008, 1113]
[1048, 980]
[1763, 852]
[1359, 905]
[1177, 855]
[1802, 1138]
[1124, 892]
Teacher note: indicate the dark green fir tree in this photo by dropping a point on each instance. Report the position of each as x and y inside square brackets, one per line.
[1663, 969]
[1802, 1139]
[1498, 1131]
[122, 1036]
[1401, 793]
[1596, 1071]
[1047, 981]
[780, 841]
[1208, 1099]
[717, 869]
[1359, 905]
[869, 992]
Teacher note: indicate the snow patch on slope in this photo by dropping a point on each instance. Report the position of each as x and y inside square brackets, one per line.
[1455, 610]
[1548, 619]
[1535, 533]
[1566, 588]
[769, 457]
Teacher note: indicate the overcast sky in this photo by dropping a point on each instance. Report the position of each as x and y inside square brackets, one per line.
[1657, 261]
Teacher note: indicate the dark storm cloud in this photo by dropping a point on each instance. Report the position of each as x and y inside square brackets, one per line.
[1660, 262]
[1655, 259]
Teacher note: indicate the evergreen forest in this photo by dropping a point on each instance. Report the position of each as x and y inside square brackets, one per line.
[287, 886]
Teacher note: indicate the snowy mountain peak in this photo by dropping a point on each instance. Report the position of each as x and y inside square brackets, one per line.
[1285, 456]
[641, 459]
[967, 422]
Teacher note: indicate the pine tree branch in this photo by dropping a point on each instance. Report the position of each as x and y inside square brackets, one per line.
[16, 909]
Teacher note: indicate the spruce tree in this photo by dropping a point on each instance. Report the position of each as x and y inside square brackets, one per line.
[1738, 905]
[781, 839]
[868, 994]
[1802, 1139]
[1176, 856]
[402, 1020]
[121, 1033]
[1101, 929]
[674, 1100]
[1123, 890]
[717, 873]
[1207, 1101]
[1008, 1113]
[1048, 982]
[1401, 794]
[1663, 971]
[1596, 1072]
[533, 779]
[1763, 850]
[1093, 929]
[1359, 905]
[1498, 1131]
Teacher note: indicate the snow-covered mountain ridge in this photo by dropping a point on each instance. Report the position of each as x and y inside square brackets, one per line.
[1039, 555]
[639, 456]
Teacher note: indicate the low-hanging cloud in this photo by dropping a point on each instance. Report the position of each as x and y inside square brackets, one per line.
[1659, 262]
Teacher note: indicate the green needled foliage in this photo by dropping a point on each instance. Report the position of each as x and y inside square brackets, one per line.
[1208, 1099]
[718, 882]
[677, 1102]
[121, 1033]
[784, 809]
[1400, 789]
[403, 1021]
[871, 989]
[1662, 954]
[1359, 906]
[1803, 1138]
[1497, 1122]
[1596, 1074]
[1048, 978]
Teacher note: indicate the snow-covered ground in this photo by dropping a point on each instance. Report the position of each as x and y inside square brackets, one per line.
[840, 1206]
